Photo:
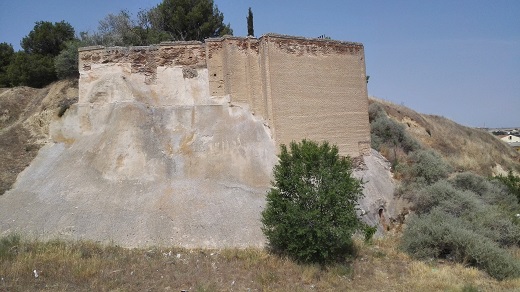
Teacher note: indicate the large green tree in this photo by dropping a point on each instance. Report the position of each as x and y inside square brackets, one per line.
[311, 209]
[48, 39]
[34, 66]
[6, 56]
[188, 19]
[32, 70]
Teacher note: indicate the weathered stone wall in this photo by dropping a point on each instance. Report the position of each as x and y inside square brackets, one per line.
[234, 68]
[303, 88]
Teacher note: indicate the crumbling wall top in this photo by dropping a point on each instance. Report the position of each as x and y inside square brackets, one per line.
[282, 39]
[318, 40]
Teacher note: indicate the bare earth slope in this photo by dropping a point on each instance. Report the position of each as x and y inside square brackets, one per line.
[25, 115]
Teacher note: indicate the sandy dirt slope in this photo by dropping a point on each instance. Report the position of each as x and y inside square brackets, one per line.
[25, 115]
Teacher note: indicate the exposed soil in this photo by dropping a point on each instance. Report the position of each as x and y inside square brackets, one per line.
[25, 115]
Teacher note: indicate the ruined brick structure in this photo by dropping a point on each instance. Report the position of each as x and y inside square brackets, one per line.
[303, 88]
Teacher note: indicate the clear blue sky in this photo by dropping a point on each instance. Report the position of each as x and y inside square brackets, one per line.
[455, 58]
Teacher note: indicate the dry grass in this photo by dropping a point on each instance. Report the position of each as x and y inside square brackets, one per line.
[466, 149]
[87, 266]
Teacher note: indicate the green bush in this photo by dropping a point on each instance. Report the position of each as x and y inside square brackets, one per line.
[6, 56]
[311, 209]
[487, 220]
[512, 182]
[465, 219]
[492, 223]
[438, 234]
[426, 167]
[31, 70]
[492, 191]
[385, 131]
[429, 197]
[66, 63]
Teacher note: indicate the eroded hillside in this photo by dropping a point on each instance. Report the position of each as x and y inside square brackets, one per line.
[466, 149]
[25, 115]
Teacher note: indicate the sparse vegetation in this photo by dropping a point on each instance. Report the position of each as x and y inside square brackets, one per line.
[311, 210]
[467, 219]
[424, 167]
[89, 266]
[440, 235]
[512, 182]
[388, 136]
[459, 146]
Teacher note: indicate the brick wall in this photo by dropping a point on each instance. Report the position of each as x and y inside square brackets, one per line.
[318, 92]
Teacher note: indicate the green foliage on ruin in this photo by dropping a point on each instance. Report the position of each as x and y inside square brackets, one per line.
[187, 20]
[50, 49]
[311, 208]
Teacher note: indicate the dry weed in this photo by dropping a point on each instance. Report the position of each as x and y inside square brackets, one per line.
[87, 266]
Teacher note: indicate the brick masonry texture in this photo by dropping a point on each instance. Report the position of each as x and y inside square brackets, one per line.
[303, 88]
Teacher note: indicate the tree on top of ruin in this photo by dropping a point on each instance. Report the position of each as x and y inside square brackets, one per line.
[250, 28]
[187, 20]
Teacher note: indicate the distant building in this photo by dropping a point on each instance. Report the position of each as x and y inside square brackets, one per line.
[510, 138]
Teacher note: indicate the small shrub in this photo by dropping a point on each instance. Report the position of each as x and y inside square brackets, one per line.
[491, 191]
[427, 167]
[375, 111]
[385, 131]
[429, 197]
[311, 210]
[512, 182]
[487, 220]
